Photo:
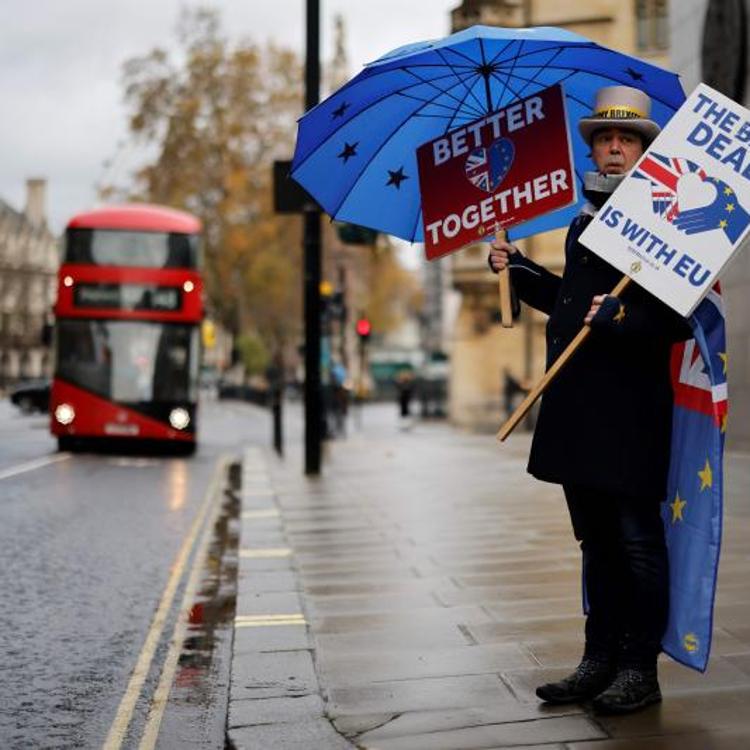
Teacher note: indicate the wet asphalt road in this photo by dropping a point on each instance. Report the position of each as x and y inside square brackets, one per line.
[87, 545]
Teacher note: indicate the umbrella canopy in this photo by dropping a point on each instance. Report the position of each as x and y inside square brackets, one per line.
[356, 151]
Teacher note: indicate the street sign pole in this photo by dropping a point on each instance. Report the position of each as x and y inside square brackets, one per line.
[312, 264]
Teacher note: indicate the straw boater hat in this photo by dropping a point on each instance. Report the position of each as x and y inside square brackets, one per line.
[620, 107]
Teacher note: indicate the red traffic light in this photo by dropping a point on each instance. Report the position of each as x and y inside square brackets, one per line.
[363, 327]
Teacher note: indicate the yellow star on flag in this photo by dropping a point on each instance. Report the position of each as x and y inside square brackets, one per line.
[620, 315]
[727, 190]
[723, 224]
[706, 476]
[724, 357]
[677, 507]
[724, 422]
[730, 207]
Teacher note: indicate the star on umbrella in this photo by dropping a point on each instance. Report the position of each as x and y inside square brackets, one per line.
[677, 507]
[350, 149]
[634, 74]
[339, 111]
[706, 476]
[397, 177]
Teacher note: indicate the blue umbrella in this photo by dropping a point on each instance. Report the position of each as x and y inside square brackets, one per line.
[356, 151]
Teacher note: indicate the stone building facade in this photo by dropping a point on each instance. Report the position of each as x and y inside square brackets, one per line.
[481, 350]
[28, 264]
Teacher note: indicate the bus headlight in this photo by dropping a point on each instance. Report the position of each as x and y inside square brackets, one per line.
[179, 418]
[65, 414]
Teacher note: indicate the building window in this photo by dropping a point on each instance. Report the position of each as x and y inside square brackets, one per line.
[652, 21]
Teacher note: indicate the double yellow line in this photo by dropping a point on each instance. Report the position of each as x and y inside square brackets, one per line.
[205, 519]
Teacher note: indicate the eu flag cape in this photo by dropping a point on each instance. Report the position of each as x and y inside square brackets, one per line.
[692, 512]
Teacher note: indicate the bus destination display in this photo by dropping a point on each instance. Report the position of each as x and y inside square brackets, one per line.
[128, 297]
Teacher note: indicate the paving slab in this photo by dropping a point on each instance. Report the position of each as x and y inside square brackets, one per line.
[415, 723]
[565, 728]
[432, 585]
[418, 694]
[404, 663]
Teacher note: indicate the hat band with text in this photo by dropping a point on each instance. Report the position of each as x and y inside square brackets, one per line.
[619, 113]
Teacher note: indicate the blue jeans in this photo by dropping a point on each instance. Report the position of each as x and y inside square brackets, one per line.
[625, 572]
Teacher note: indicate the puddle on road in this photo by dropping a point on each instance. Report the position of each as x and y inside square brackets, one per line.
[197, 706]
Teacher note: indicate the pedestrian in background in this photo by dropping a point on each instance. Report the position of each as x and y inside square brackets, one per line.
[405, 390]
[604, 426]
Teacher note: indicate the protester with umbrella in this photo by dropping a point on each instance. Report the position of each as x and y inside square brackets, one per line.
[356, 153]
[604, 426]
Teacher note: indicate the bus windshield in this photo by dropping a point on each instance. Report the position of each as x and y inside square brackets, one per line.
[109, 247]
[130, 362]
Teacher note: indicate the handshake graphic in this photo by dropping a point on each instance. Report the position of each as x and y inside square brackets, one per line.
[718, 207]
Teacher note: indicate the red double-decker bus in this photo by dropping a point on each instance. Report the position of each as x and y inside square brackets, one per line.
[127, 329]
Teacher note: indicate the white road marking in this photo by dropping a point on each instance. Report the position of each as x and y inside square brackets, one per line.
[37, 463]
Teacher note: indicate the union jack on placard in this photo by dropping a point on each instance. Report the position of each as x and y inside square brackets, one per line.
[477, 169]
[664, 172]
[487, 167]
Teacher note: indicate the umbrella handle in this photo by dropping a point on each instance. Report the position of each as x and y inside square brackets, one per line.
[541, 386]
[503, 279]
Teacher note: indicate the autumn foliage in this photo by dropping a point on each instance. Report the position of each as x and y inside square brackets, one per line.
[215, 116]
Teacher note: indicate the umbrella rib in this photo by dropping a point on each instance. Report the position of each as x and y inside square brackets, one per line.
[471, 62]
[382, 145]
[458, 101]
[374, 72]
[470, 89]
[378, 101]
[508, 76]
[543, 67]
[449, 126]
[506, 86]
[450, 110]
[528, 81]
[500, 52]
[561, 48]
[607, 76]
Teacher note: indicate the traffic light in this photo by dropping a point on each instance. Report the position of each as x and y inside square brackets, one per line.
[363, 329]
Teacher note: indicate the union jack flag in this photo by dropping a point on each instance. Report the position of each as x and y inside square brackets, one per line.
[486, 167]
[692, 513]
[664, 172]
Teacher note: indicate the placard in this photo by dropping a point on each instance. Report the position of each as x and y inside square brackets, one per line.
[683, 212]
[501, 169]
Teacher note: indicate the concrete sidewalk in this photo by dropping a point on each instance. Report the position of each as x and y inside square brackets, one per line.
[414, 595]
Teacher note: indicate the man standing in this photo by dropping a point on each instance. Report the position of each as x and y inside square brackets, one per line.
[604, 426]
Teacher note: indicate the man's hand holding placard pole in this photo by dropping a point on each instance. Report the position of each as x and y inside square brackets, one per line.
[679, 217]
[490, 174]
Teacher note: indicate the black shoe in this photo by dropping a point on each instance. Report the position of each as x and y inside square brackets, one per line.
[589, 679]
[632, 690]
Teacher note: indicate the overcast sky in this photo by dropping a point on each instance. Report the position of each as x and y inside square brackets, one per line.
[60, 62]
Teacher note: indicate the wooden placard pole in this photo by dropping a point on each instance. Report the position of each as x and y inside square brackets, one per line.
[557, 365]
[503, 278]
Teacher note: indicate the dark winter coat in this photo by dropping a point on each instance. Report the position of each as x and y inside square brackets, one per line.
[605, 420]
